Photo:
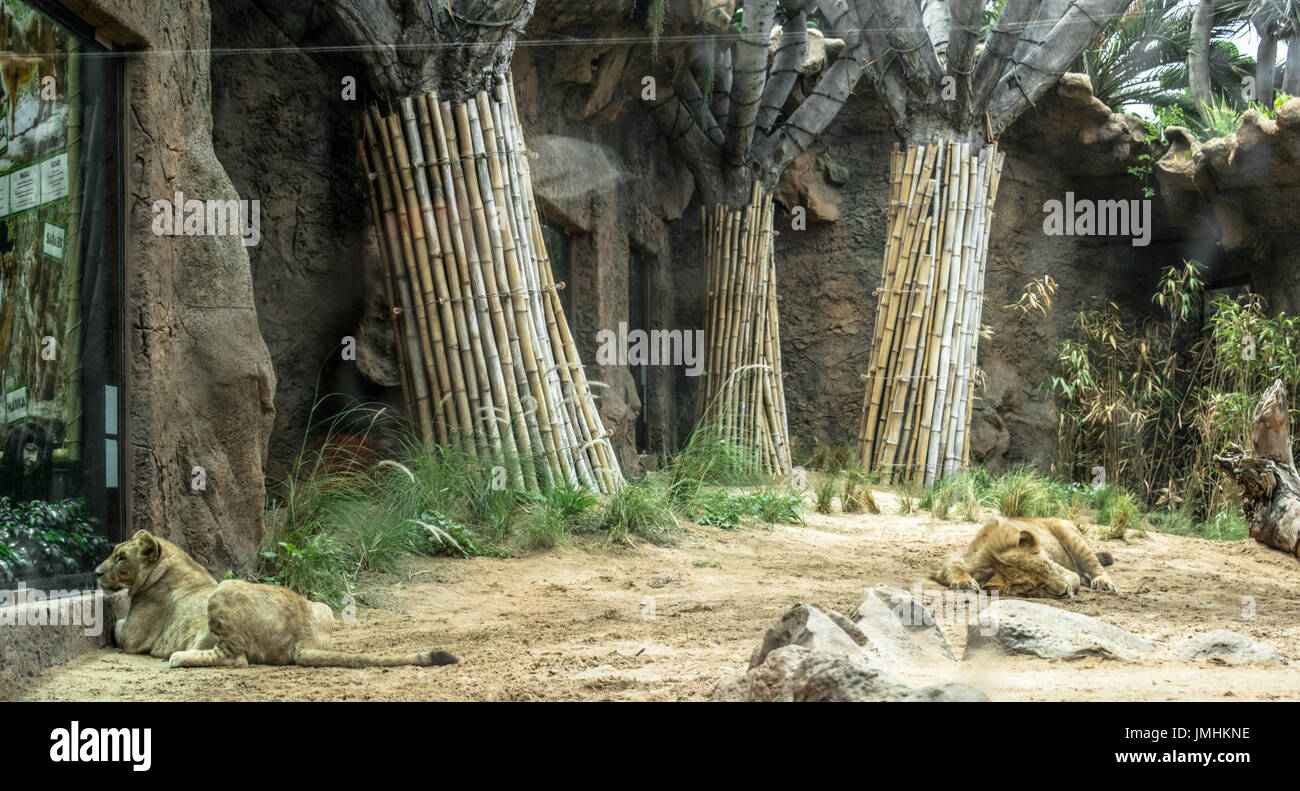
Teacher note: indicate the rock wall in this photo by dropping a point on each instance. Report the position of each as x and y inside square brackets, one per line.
[284, 132]
[1236, 196]
[200, 380]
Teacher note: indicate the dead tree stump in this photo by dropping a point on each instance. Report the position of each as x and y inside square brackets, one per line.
[1270, 486]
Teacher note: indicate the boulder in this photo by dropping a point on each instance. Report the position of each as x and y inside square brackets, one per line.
[794, 673]
[1227, 647]
[899, 627]
[817, 654]
[813, 627]
[1022, 627]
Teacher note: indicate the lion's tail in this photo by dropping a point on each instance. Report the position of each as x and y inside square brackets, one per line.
[318, 657]
[1105, 559]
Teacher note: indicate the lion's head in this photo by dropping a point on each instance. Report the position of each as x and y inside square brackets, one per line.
[130, 562]
[1026, 569]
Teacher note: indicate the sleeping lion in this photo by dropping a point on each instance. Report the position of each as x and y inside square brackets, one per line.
[1028, 557]
[180, 613]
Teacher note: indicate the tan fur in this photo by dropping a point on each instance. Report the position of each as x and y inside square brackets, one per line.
[1027, 557]
[178, 611]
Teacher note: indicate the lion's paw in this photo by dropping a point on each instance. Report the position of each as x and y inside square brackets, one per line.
[1103, 583]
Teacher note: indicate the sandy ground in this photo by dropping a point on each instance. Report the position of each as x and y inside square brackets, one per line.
[598, 622]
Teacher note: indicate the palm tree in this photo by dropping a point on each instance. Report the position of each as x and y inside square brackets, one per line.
[1275, 20]
[1145, 57]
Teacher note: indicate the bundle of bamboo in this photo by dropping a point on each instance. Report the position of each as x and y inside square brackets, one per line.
[742, 390]
[916, 411]
[488, 363]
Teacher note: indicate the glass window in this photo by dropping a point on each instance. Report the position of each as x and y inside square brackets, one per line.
[60, 290]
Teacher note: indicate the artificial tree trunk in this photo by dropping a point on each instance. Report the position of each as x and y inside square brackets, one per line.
[919, 387]
[1265, 65]
[1270, 485]
[1291, 79]
[488, 364]
[742, 398]
[1198, 55]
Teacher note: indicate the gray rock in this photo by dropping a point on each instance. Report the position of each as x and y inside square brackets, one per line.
[1227, 647]
[816, 654]
[814, 627]
[899, 626]
[947, 692]
[793, 673]
[1021, 627]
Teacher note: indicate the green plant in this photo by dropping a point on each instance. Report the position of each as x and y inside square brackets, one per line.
[1227, 525]
[638, 509]
[1118, 512]
[48, 539]
[965, 489]
[1023, 492]
[824, 492]
[856, 495]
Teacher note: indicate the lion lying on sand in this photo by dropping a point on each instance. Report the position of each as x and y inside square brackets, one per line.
[180, 613]
[1028, 557]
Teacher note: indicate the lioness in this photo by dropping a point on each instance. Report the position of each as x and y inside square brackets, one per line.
[1022, 557]
[179, 612]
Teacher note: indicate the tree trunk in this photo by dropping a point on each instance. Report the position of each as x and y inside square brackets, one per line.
[1270, 486]
[1291, 80]
[919, 387]
[742, 398]
[1265, 65]
[487, 352]
[1198, 55]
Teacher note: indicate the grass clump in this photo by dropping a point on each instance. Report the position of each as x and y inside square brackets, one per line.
[1118, 512]
[1023, 492]
[824, 492]
[857, 495]
[639, 510]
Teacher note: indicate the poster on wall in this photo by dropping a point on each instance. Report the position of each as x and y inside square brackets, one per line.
[40, 299]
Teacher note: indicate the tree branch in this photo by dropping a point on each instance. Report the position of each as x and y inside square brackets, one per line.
[372, 24]
[688, 90]
[785, 68]
[722, 85]
[700, 154]
[749, 71]
[1006, 33]
[1043, 65]
[937, 19]
[906, 34]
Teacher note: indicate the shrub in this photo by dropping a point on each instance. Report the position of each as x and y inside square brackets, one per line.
[48, 539]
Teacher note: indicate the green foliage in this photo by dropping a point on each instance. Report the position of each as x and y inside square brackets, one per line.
[857, 495]
[964, 490]
[1142, 57]
[1024, 492]
[639, 509]
[824, 492]
[48, 539]
[655, 21]
[1152, 402]
[1118, 511]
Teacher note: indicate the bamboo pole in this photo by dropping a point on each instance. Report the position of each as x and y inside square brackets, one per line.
[486, 356]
